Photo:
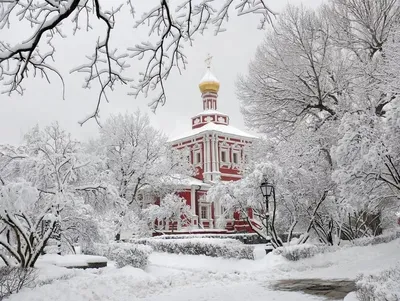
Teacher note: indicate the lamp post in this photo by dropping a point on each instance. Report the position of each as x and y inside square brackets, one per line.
[267, 189]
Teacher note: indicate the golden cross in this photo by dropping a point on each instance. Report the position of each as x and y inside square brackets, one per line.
[208, 61]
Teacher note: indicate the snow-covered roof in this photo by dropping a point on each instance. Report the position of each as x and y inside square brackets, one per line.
[211, 126]
[184, 180]
[209, 77]
[210, 112]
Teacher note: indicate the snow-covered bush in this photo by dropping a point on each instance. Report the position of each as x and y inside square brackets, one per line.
[297, 252]
[382, 287]
[375, 240]
[123, 253]
[13, 279]
[227, 248]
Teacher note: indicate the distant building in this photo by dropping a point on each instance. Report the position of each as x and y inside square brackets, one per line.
[216, 150]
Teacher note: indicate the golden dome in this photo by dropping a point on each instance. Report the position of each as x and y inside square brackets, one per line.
[209, 83]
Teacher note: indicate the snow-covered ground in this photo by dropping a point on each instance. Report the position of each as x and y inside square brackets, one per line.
[187, 277]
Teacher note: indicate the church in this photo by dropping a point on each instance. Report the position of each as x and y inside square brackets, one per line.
[216, 150]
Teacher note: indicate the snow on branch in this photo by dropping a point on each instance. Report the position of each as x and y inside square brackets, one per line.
[171, 25]
[174, 29]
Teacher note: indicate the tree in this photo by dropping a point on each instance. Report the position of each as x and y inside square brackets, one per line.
[22, 238]
[245, 193]
[297, 76]
[172, 210]
[367, 152]
[322, 88]
[139, 157]
[54, 163]
[171, 27]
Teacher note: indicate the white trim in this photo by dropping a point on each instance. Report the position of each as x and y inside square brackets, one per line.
[222, 129]
[231, 175]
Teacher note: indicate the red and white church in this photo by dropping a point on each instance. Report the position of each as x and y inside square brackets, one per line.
[216, 150]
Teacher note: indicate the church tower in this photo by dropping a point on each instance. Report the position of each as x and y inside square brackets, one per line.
[216, 148]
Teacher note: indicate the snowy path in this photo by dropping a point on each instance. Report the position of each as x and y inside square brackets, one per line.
[197, 278]
[230, 292]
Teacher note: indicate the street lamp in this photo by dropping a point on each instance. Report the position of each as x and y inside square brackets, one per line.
[267, 190]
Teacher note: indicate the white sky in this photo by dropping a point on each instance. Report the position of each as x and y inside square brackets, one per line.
[42, 103]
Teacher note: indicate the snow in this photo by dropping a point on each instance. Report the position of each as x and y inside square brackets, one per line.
[211, 126]
[351, 297]
[183, 180]
[210, 112]
[188, 277]
[223, 231]
[209, 77]
[71, 260]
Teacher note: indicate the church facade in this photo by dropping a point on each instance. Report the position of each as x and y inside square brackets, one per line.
[216, 149]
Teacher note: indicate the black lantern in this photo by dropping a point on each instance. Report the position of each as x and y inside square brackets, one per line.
[266, 188]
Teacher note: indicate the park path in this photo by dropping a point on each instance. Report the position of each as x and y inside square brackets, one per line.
[335, 289]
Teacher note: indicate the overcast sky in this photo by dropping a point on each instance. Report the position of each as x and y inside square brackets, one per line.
[42, 103]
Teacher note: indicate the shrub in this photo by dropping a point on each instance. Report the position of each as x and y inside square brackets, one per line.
[380, 239]
[123, 253]
[12, 279]
[226, 248]
[382, 287]
[297, 252]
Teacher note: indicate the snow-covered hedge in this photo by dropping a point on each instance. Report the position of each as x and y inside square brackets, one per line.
[220, 236]
[380, 239]
[136, 255]
[227, 248]
[246, 238]
[297, 252]
[382, 287]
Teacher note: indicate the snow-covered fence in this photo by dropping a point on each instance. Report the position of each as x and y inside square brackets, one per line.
[375, 240]
[136, 255]
[226, 248]
[382, 287]
[297, 252]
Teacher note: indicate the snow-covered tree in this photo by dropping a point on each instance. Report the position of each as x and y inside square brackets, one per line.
[55, 164]
[172, 210]
[22, 236]
[172, 26]
[322, 88]
[245, 193]
[139, 158]
[297, 76]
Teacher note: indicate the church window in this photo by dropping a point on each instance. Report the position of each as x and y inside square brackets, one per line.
[224, 156]
[198, 158]
[235, 158]
[203, 212]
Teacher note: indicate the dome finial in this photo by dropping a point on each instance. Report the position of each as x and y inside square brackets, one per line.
[209, 82]
[208, 61]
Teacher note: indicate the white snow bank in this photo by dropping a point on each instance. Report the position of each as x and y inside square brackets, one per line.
[351, 297]
[107, 284]
[49, 272]
[345, 263]
[384, 286]
[213, 264]
[189, 277]
[71, 260]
